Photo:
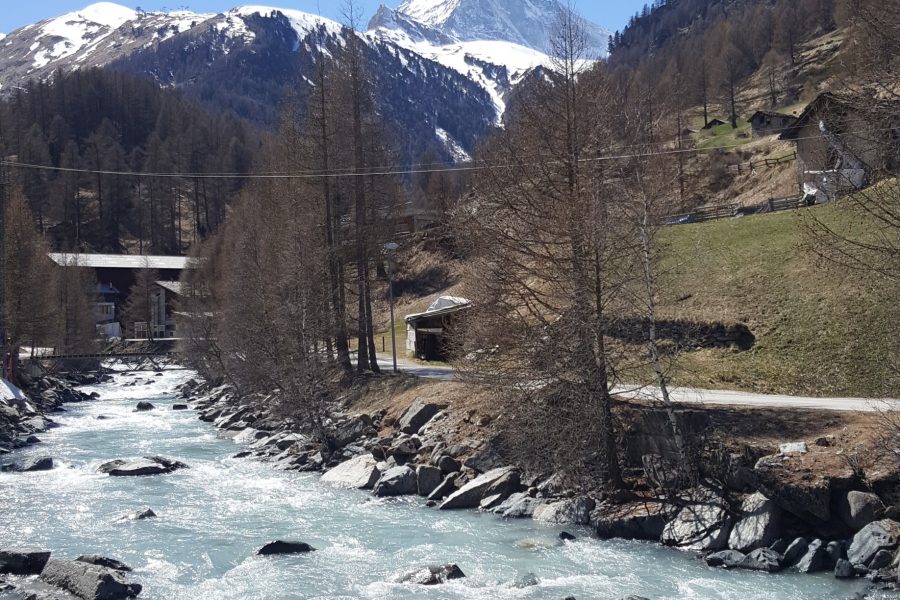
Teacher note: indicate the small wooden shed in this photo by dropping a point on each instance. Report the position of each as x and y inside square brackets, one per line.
[765, 123]
[427, 333]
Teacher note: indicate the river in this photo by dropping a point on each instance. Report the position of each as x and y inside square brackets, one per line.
[213, 516]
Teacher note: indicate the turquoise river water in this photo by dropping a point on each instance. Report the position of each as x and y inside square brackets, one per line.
[213, 516]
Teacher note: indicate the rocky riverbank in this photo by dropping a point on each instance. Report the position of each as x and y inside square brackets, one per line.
[25, 415]
[780, 511]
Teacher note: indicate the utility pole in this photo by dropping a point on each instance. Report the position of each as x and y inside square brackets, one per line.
[4, 195]
[389, 249]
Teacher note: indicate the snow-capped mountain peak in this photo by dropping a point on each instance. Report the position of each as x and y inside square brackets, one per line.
[301, 22]
[433, 13]
[103, 13]
[524, 22]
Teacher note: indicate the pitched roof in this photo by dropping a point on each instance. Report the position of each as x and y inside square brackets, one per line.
[811, 109]
[770, 113]
[442, 306]
[173, 286]
[122, 261]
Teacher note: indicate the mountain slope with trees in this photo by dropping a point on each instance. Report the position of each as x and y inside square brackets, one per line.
[99, 120]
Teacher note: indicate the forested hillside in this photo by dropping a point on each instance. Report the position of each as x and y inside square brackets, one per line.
[703, 50]
[102, 121]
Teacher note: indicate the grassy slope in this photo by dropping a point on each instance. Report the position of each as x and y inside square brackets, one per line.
[817, 331]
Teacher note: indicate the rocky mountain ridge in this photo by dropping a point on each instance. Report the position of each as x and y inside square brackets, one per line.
[444, 91]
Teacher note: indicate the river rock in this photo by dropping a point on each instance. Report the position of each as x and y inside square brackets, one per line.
[284, 547]
[813, 560]
[404, 449]
[87, 581]
[103, 561]
[448, 464]
[730, 559]
[179, 407]
[143, 406]
[447, 487]
[417, 415]
[794, 551]
[640, 520]
[397, 481]
[354, 429]
[518, 506]
[526, 580]
[843, 569]
[702, 525]
[148, 465]
[758, 526]
[140, 515]
[858, 509]
[566, 512]
[762, 559]
[432, 575]
[360, 473]
[22, 562]
[428, 478]
[34, 463]
[878, 535]
[794, 488]
[505, 486]
[836, 550]
[471, 494]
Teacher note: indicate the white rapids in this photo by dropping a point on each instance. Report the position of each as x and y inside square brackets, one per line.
[214, 515]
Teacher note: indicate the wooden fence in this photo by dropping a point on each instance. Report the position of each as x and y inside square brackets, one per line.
[751, 166]
[726, 211]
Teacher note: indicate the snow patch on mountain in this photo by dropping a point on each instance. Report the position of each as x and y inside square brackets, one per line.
[76, 31]
[302, 22]
[458, 153]
[433, 13]
[496, 66]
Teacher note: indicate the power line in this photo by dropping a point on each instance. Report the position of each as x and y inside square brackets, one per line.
[390, 171]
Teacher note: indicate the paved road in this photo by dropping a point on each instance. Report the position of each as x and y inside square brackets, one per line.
[688, 395]
[413, 368]
[729, 398]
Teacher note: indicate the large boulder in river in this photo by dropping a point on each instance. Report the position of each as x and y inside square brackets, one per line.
[360, 473]
[729, 559]
[517, 506]
[34, 463]
[143, 407]
[758, 526]
[471, 494]
[88, 581]
[576, 511]
[878, 535]
[703, 524]
[148, 465]
[428, 479]
[417, 415]
[858, 509]
[103, 561]
[432, 575]
[814, 559]
[762, 559]
[398, 481]
[284, 547]
[22, 562]
[639, 520]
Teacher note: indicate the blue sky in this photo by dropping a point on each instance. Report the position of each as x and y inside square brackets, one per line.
[612, 14]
